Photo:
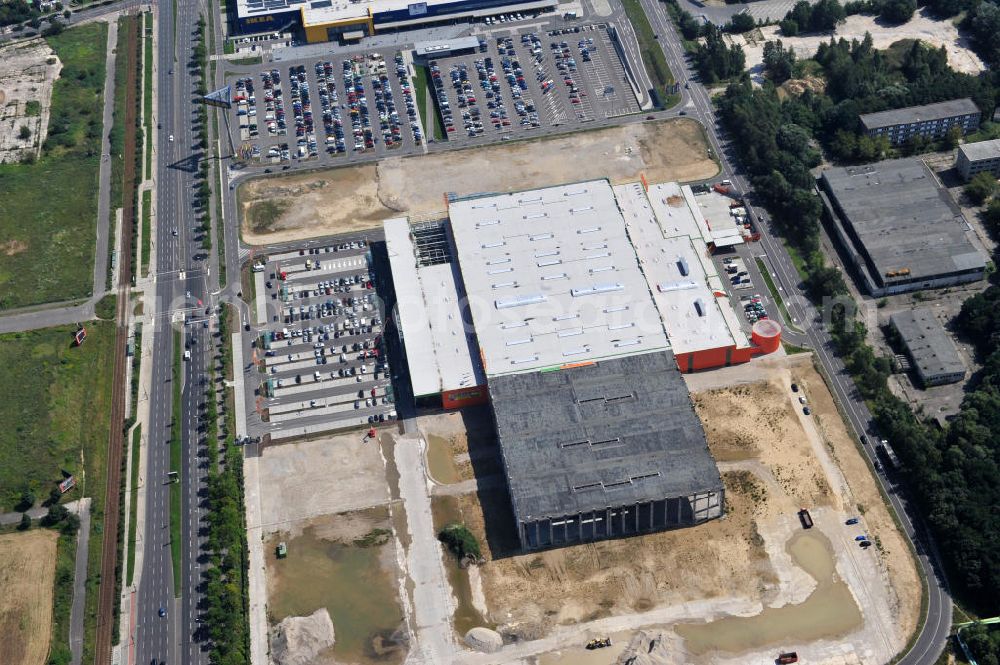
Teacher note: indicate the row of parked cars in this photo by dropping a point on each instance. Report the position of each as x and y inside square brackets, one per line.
[357, 104]
[274, 108]
[385, 105]
[411, 105]
[333, 124]
[566, 64]
[753, 308]
[302, 108]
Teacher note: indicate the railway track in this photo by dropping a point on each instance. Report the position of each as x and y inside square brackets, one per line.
[112, 499]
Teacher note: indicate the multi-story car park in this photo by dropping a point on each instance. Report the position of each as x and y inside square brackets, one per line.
[323, 354]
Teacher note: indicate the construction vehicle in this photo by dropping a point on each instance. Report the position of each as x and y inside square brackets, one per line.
[806, 519]
[598, 643]
[788, 657]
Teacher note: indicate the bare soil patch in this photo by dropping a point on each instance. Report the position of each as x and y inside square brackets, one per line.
[360, 197]
[27, 72]
[27, 572]
[12, 247]
[773, 460]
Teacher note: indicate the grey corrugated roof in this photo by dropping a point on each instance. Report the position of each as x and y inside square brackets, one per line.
[609, 434]
[911, 114]
[928, 343]
[903, 219]
[981, 150]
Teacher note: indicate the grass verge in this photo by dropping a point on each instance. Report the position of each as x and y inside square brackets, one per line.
[132, 507]
[652, 55]
[117, 134]
[175, 465]
[420, 92]
[147, 230]
[775, 294]
[147, 92]
[52, 258]
[62, 598]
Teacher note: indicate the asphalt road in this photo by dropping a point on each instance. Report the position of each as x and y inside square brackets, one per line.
[174, 638]
[934, 633]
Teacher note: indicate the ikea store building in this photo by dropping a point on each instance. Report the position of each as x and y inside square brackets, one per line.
[346, 20]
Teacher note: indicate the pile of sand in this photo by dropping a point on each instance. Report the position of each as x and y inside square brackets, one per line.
[297, 640]
[484, 640]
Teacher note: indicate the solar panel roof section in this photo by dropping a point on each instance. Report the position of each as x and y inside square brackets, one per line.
[552, 278]
[627, 433]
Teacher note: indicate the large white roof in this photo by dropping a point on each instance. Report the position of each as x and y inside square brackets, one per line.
[439, 351]
[552, 278]
[668, 238]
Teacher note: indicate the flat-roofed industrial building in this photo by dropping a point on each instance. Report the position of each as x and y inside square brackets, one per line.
[605, 449]
[981, 157]
[899, 227]
[934, 356]
[931, 121]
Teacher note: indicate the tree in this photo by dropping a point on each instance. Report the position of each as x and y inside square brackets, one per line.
[66, 14]
[24, 133]
[789, 28]
[897, 12]
[715, 59]
[689, 25]
[778, 63]
[54, 496]
[981, 187]
[25, 522]
[26, 501]
[741, 23]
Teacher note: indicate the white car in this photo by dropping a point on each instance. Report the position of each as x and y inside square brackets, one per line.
[171, 138]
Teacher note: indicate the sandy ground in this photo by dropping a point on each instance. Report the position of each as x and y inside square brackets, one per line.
[27, 72]
[773, 460]
[27, 570]
[299, 481]
[922, 26]
[353, 198]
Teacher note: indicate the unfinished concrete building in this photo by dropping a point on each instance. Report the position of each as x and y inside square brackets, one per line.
[606, 449]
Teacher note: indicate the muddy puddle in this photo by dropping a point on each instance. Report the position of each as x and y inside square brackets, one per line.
[356, 585]
[441, 461]
[828, 612]
[446, 510]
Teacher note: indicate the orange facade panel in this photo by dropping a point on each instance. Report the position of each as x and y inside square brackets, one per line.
[462, 397]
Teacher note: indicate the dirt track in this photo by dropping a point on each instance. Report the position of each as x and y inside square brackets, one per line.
[360, 197]
[27, 571]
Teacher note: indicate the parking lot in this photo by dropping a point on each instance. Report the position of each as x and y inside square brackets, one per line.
[361, 103]
[323, 356]
[529, 80]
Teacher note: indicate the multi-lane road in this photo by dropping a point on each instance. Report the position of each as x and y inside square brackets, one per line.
[174, 638]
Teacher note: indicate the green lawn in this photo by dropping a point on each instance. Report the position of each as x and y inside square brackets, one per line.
[420, 92]
[147, 88]
[118, 122]
[55, 404]
[133, 495]
[147, 230]
[652, 54]
[52, 257]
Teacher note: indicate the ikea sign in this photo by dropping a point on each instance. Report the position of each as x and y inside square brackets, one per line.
[417, 8]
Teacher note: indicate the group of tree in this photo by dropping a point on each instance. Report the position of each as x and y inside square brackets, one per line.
[226, 582]
[16, 11]
[741, 22]
[984, 641]
[779, 64]
[805, 17]
[716, 60]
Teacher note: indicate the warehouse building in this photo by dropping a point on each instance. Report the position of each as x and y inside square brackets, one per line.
[982, 157]
[929, 347]
[606, 449]
[899, 227]
[349, 20]
[930, 121]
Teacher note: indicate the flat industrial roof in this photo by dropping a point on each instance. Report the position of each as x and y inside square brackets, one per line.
[263, 7]
[440, 353]
[924, 113]
[674, 258]
[981, 150]
[552, 278]
[903, 219]
[444, 47]
[719, 225]
[618, 432]
[928, 343]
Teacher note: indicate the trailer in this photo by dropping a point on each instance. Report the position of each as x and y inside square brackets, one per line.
[887, 454]
[806, 519]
